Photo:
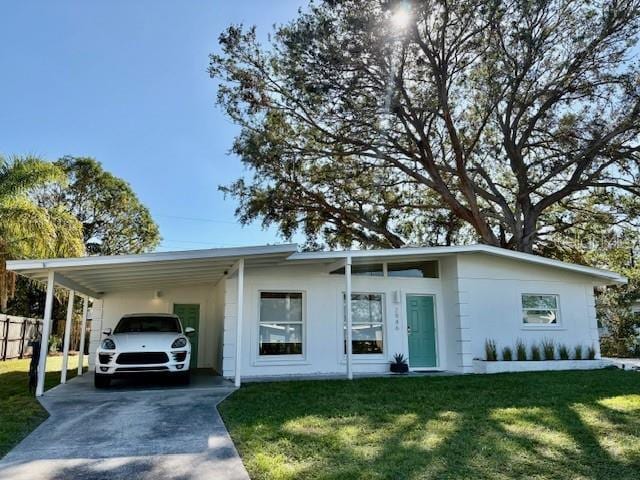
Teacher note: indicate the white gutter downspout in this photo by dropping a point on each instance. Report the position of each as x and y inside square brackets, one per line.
[239, 320]
[348, 340]
[46, 330]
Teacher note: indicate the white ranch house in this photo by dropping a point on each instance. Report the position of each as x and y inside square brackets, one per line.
[275, 311]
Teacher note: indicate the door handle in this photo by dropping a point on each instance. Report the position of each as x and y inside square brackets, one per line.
[408, 329]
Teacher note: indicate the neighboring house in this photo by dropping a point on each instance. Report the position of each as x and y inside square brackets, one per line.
[436, 305]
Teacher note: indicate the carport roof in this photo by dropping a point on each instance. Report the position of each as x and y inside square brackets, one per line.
[94, 276]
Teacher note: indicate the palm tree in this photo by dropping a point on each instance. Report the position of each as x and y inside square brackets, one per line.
[28, 230]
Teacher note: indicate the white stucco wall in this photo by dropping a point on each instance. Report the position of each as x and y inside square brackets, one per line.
[494, 287]
[323, 320]
[477, 297]
[108, 310]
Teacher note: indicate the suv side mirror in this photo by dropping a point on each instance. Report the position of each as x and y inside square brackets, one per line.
[189, 330]
[106, 331]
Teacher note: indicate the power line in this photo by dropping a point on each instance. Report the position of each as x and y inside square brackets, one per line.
[196, 219]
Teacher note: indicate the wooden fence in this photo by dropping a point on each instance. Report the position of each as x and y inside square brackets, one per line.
[16, 332]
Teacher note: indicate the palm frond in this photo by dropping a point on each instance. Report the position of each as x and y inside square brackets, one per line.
[20, 175]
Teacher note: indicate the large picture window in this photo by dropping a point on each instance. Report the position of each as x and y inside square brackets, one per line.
[540, 309]
[367, 318]
[281, 323]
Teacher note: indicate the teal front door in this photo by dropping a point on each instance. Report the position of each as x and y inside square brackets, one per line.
[189, 314]
[421, 330]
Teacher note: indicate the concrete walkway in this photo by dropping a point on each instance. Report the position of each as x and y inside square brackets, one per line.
[141, 433]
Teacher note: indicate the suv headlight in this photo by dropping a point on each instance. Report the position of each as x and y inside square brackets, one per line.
[179, 342]
[108, 344]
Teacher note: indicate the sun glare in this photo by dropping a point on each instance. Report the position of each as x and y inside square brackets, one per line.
[401, 17]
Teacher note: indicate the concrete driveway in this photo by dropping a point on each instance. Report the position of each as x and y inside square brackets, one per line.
[160, 434]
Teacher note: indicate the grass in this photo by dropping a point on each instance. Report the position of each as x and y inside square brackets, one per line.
[542, 425]
[20, 412]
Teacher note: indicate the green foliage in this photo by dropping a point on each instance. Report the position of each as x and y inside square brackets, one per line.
[548, 349]
[114, 221]
[521, 350]
[399, 359]
[577, 352]
[563, 352]
[55, 342]
[506, 122]
[535, 352]
[27, 229]
[591, 353]
[490, 350]
[507, 354]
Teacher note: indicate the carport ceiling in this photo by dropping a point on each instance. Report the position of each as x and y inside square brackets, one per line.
[98, 275]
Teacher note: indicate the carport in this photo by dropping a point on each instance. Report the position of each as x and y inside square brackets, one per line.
[94, 277]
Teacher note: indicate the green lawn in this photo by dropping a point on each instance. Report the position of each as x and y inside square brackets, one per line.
[551, 425]
[20, 412]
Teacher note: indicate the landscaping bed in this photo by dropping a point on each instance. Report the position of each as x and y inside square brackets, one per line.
[502, 366]
[543, 425]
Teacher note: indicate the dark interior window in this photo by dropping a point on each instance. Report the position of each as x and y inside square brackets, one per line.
[427, 269]
[369, 270]
[147, 324]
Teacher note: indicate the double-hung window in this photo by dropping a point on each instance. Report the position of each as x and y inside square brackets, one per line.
[540, 310]
[281, 323]
[367, 318]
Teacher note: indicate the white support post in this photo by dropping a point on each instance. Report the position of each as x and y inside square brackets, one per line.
[347, 295]
[67, 337]
[46, 331]
[83, 331]
[239, 320]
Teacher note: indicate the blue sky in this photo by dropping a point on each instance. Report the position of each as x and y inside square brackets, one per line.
[125, 82]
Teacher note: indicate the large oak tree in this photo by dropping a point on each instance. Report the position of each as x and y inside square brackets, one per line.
[411, 122]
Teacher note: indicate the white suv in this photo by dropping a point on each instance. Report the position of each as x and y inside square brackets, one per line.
[143, 343]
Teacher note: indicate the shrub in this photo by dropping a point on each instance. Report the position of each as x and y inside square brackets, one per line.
[490, 350]
[548, 349]
[535, 352]
[399, 359]
[578, 352]
[563, 352]
[591, 353]
[55, 342]
[507, 354]
[521, 350]
[611, 346]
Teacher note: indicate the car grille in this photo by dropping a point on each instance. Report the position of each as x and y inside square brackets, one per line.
[141, 358]
[142, 369]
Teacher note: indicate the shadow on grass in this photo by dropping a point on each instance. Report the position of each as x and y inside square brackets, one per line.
[541, 425]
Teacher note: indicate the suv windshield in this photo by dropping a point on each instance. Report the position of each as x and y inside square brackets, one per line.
[147, 324]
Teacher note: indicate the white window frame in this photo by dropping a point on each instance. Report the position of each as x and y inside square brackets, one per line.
[363, 357]
[287, 358]
[540, 326]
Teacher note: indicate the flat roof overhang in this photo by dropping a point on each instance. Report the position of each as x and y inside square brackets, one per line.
[95, 276]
